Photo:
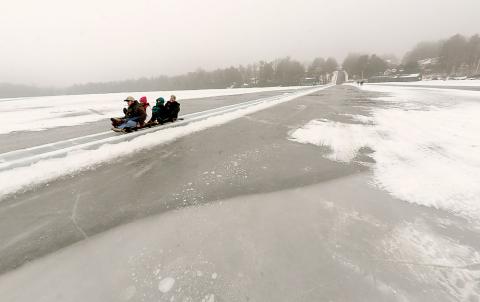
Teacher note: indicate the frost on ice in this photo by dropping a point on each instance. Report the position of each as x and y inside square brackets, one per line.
[166, 284]
[426, 148]
[434, 257]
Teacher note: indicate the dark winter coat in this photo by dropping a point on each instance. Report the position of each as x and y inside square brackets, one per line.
[137, 112]
[158, 111]
[172, 109]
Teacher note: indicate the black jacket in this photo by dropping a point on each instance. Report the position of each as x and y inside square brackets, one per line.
[172, 109]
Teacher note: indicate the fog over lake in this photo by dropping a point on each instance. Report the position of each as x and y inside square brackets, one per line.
[62, 42]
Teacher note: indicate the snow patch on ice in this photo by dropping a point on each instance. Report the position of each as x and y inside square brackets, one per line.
[429, 156]
[166, 284]
[344, 139]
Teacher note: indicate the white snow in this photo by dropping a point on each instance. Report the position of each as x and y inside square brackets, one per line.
[344, 139]
[48, 169]
[439, 83]
[426, 146]
[166, 284]
[359, 118]
[40, 113]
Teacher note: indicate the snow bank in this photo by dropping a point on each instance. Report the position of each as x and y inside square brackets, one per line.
[48, 169]
[426, 147]
[40, 113]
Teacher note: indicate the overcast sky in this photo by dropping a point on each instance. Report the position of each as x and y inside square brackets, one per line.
[61, 42]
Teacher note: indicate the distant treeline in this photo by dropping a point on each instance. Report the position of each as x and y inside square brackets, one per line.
[280, 72]
[456, 56]
[13, 90]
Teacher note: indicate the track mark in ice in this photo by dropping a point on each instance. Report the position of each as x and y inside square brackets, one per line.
[73, 217]
[144, 170]
[96, 111]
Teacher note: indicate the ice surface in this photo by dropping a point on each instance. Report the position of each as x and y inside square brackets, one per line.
[48, 169]
[209, 298]
[270, 247]
[39, 113]
[440, 259]
[426, 146]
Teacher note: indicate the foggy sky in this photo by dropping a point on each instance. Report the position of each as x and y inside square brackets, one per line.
[61, 42]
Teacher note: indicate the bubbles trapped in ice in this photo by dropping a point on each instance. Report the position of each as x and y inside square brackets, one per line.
[166, 284]
[209, 298]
